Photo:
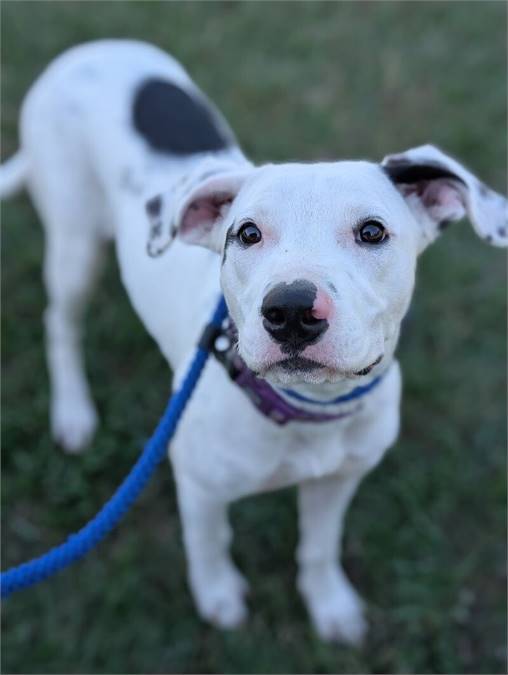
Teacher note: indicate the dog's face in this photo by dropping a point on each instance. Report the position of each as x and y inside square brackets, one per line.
[318, 260]
[318, 269]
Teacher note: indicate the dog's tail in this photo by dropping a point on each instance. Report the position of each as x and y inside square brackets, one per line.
[13, 174]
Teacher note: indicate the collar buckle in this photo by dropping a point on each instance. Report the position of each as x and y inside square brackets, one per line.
[220, 341]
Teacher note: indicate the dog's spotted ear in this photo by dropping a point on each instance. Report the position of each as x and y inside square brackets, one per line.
[439, 191]
[195, 208]
[161, 235]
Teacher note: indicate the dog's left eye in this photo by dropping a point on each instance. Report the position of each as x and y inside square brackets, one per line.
[372, 232]
[249, 234]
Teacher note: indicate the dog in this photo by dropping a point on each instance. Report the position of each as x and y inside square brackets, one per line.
[317, 265]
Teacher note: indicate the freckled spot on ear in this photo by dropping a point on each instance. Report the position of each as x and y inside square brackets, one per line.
[154, 206]
[488, 238]
[332, 287]
[502, 232]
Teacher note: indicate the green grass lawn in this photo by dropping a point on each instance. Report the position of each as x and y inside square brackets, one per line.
[425, 538]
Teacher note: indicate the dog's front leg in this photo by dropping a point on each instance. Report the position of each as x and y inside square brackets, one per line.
[217, 586]
[335, 608]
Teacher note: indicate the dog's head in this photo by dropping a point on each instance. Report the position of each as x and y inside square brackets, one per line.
[318, 260]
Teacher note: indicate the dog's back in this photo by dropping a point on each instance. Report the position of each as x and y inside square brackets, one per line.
[91, 114]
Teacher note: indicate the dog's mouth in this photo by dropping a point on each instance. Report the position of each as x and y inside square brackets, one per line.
[297, 369]
[298, 364]
[309, 369]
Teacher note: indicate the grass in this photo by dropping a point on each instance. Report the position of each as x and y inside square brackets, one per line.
[426, 535]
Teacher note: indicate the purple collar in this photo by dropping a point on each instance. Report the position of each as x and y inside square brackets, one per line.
[221, 342]
[272, 405]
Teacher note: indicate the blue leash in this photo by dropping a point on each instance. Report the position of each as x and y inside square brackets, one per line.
[79, 544]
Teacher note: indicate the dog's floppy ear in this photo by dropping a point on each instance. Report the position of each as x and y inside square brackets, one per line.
[195, 208]
[439, 190]
[205, 207]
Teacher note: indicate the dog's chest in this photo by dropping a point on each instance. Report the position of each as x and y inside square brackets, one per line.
[226, 444]
[350, 448]
[303, 461]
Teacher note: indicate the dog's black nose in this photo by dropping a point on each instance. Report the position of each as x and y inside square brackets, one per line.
[288, 315]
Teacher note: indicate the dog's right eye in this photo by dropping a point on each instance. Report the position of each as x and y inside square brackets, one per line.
[249, 234]
[372, 232]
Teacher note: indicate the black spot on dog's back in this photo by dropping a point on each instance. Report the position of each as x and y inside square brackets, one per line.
[173, 121]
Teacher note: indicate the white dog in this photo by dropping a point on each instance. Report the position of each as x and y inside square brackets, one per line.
[317, 265]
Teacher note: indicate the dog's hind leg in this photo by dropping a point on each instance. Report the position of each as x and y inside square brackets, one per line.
[71, 264]
[70, 206]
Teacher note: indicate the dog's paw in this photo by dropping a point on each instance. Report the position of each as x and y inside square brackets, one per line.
[227, 612]
[222, 602]
[335, 622]
[73, 424]
[337, 612]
